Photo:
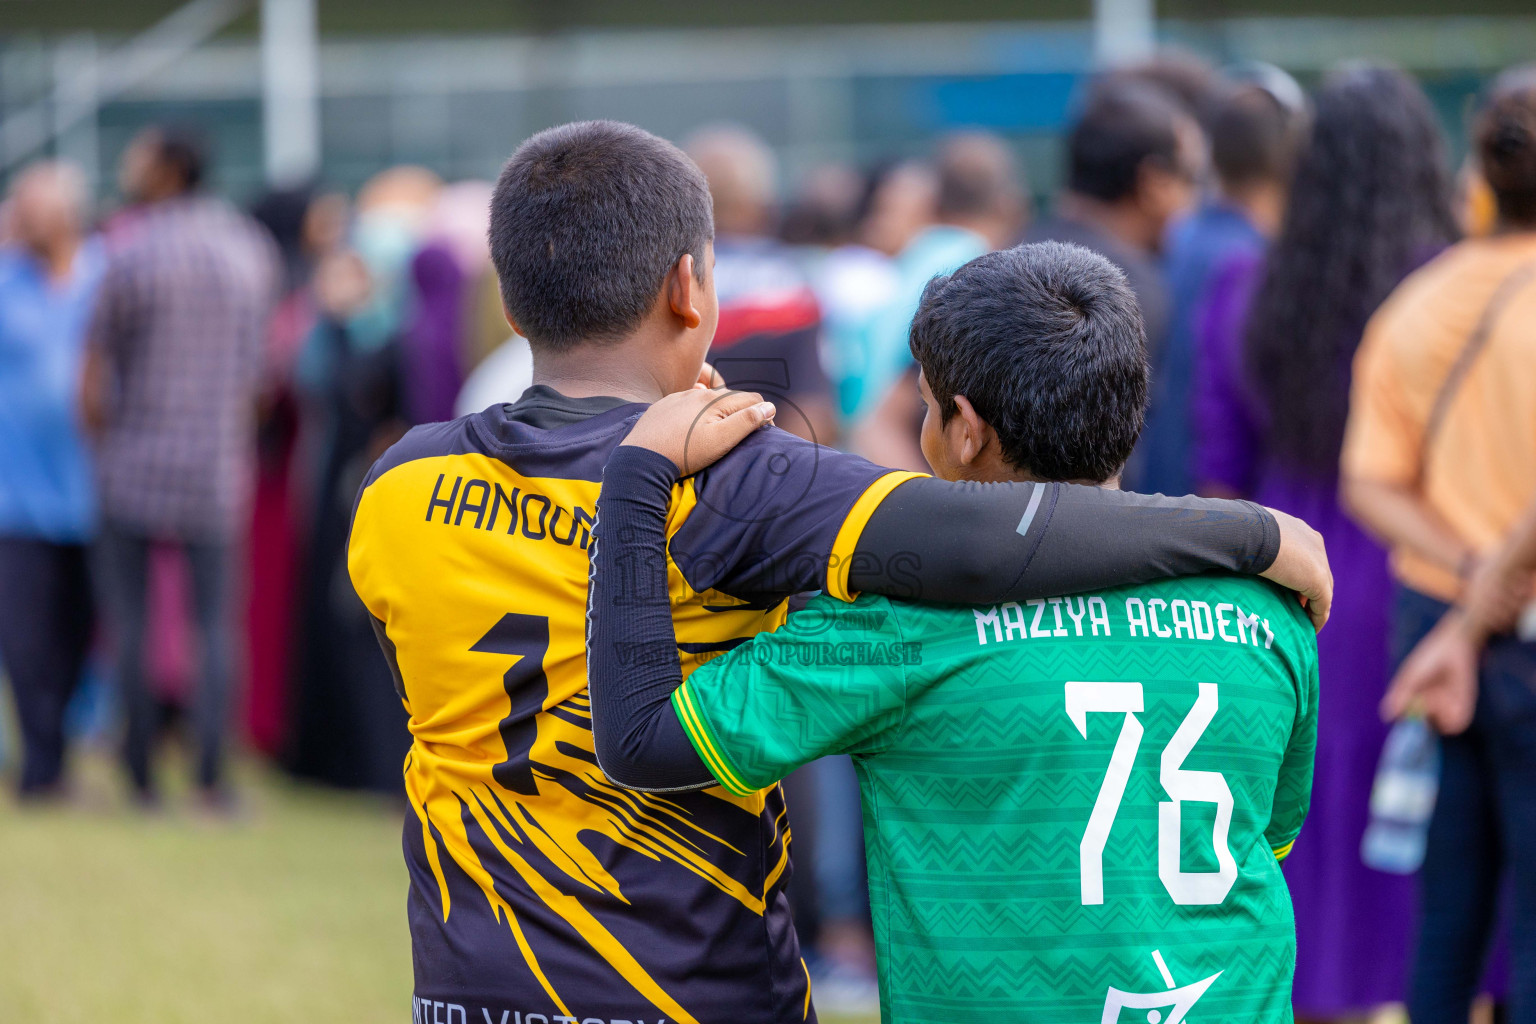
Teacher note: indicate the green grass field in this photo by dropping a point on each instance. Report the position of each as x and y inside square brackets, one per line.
[295, 911]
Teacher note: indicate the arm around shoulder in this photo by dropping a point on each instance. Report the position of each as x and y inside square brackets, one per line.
[963, 542]
[632, 661]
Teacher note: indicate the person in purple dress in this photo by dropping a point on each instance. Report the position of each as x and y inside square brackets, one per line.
[1369, 202]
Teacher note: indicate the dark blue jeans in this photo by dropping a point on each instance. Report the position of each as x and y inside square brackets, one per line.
[1482, 836]
[45, 634]
[122, 576]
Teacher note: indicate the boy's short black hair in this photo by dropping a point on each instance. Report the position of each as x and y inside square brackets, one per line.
[1123, 126]
[1046, 342]
[586, 220]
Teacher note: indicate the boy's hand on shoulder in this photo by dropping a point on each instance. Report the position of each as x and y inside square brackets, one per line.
[695, 428]
[1302, 566]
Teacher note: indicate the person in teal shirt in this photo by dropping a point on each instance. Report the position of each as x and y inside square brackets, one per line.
[1075, 808]
[979, 204]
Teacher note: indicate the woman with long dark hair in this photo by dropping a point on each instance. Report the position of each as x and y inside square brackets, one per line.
[1369, 202]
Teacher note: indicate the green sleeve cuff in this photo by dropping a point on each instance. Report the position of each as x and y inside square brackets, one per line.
[708, 746]
[1281, 852]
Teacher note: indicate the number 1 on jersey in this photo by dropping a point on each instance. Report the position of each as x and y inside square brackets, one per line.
[526, 637]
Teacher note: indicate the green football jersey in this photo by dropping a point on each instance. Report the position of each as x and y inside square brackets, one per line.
[1074, 809]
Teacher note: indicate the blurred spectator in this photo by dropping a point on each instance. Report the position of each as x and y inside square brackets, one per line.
[980, 205]
[859, 278]
[501, 376]
[349, 728]
[283, 213]
[1440, 461]
[445, 272]
[901, 204]
[825, 210]
[1254, 129]
[392, 214]
[301, 225]
[48, 280]
[1476, 210]
[1187, 78]
[769, 336]
[171, 382]
[1275, 349]
[500, 373]
[1134, 163]
[981, 191]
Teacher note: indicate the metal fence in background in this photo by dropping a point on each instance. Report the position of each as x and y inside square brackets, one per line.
[460, 104]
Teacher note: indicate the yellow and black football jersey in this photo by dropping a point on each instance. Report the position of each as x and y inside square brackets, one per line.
[540, 892]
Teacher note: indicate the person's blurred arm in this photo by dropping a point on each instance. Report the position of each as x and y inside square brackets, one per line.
[1397, 516]
[263, 356]
[1439, 679]
[95, 376]
[106, 337]
[1500, 587]
[1381, 465]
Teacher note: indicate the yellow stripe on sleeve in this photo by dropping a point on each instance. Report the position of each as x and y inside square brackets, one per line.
[853, 528]
[724, 773]
[703, 742]
[1284, 851]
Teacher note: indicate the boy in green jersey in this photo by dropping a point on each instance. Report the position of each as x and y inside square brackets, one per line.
[1074, 808]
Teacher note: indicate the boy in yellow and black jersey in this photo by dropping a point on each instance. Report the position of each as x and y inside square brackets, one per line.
[541, 893]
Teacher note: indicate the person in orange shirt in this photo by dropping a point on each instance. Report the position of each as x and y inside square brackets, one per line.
[1439, 460]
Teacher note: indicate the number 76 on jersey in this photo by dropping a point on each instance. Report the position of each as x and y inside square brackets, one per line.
[1188, 888]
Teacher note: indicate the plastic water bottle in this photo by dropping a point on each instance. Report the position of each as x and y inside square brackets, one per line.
[1402, 799]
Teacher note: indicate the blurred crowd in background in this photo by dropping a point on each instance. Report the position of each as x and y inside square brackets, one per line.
[190, 395]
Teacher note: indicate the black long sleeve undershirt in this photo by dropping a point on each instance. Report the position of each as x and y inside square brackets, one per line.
[981, 543]
[939, 541]
[632, 665]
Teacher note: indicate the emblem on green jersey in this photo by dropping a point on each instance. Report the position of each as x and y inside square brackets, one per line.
[1176, 1000]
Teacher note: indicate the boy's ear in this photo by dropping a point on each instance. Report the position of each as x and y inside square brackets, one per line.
[975, 433]
[683, 292]
[511, 322]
